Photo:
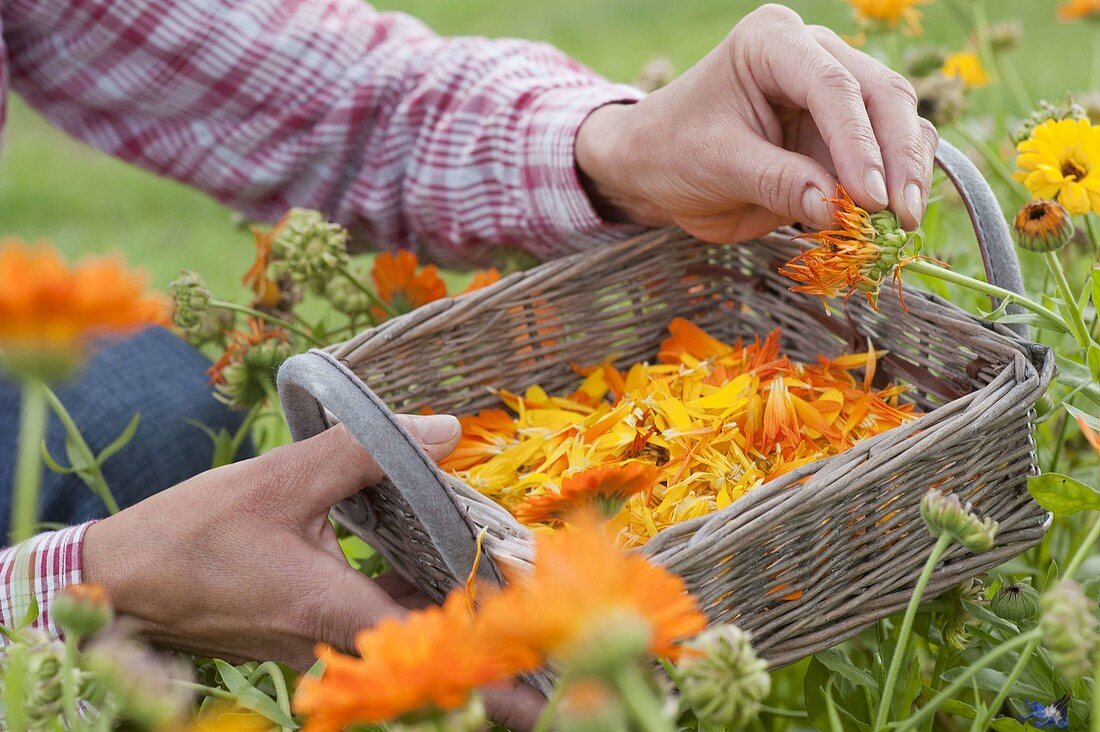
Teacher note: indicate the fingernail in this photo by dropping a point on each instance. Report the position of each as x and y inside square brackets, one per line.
[435, 429]
[876, 187]
[914, 201]
[814, 206]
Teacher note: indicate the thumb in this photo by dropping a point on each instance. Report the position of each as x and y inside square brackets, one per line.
[791, 186]
[335, 465]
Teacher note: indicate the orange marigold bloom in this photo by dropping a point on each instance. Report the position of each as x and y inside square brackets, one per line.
[580, 581]
[482, 278]
[401, 285]
[890, 13]
[1043, 226]
[1078, 9]
[604, 489]
[858, 255]
[46, 305]
[256, 279]
[431, 659]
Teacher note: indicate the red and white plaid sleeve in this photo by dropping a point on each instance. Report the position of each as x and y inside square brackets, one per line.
[39, 567]
[449, 146]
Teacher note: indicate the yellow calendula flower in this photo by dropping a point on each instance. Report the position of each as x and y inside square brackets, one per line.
[967, 66]
[1061, 161]
[890, 13]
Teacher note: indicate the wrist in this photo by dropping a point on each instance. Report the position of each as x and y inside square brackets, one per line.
[607, 162]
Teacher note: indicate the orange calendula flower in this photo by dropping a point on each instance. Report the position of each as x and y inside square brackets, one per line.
[429, 660]
[47, 306]
[604, 489]
[1078, 9]
[482, 278]
[889, 13]
[403, 284]
[966, 66]
[1043, 226]
[858, 255]
[580, 583]
[256, 278]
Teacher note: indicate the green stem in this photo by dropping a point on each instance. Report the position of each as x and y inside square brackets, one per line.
[981, 721]
[550, 711]
[15, 687]
[1080, 330]
[964, 678]
[28, 461]
[948, 275]
[389, 310]
[1094, 235]
[273, 319]
[68, 688]
[208, 690]
[639, 700]
[1083, 550]
[942, 543]
[282, 695]
[98, 483]
[1094, 715]
[787, 713]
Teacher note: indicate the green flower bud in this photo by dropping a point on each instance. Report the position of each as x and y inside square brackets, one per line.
[307, 248]
[82, 609]
[1005, 35]
[956, 624]
[1016, 602]
[1069, 628]
[925, 59]
[246, 381]
[722, 679]
[346, 297]
[213, 327]
[947, 515]
[1043, 226]
[940, 99]
[1068, 109]
[190, 300]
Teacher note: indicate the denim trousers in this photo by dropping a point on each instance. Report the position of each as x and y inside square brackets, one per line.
[153, 373]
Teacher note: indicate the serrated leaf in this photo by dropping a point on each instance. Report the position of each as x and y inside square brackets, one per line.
[121, 441]
[250, 697]
[1063, 495]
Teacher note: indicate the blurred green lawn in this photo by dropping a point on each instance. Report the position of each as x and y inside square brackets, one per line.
[52, 187]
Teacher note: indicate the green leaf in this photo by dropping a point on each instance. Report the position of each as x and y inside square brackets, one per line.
[121, 441]
[1094, 361]
[1085, 417]
[53, 464]
[988, 679]
[252, 698]
[1008, 724]
[32, 613]
[1063, 495]
[835, 660]
[953, 706]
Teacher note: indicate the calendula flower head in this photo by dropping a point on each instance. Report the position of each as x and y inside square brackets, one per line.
[1005, 35]
[965, 65]
[605, 489]
[590, 705]
[1069, 628]
[225, 717]
[215, 325]
[924, 59]
[51, 312]
[424, 663]
[1061, 161]
[940, 99]
[1071, 10]
[346, 297]
[946, 514]
[470, 717]
[584, 595]
[888, 14]
[245, 373]
[190, 300]
[1043, 226]
[857, 256]
[147, 686]
[1017, 602]
[308, 248]
[722, 679]
[41, 660]
[482, 278]
[955, 621]
[1046, 111]
[82, 609]
[401, 282]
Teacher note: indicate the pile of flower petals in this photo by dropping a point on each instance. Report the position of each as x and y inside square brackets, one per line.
[714, 420]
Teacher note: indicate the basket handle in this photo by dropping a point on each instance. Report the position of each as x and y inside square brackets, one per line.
[312, 382]
[1002, 266]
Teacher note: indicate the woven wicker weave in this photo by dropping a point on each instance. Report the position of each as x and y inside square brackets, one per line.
[844, 531]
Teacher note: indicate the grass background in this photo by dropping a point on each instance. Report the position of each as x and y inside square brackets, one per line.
[55, 188]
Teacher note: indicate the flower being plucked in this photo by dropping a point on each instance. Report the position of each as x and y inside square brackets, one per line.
[858, 255]
[722, 679]
[244, 375]
[428, 661]
[1043, 226]
[1017, 602]
[965, 65]
[1078, 9]
[1061, 160]
[605, 489]
[587, 602]
[1068, 109]
[1069, 628]
[946, 514]
[889, 14]
[50, 312]
[190, 300]
[404, 284]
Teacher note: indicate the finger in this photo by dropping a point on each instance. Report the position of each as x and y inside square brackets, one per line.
[329, 467]
[791, 186]
[514, 705]
[350, 603]
[795, 67]
[742, 223]
[908, 143]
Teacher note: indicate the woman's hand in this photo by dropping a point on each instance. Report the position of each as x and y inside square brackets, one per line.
[758, 133]
[241, 562]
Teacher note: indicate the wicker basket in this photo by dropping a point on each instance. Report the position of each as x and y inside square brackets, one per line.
[844, 531]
